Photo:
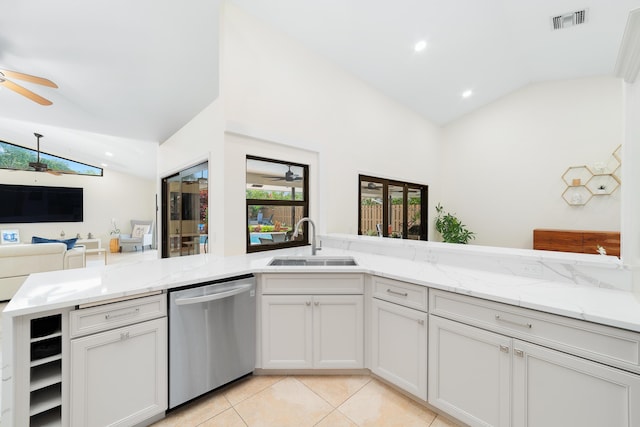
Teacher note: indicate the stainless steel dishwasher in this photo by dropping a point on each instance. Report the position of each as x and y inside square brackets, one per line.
[212, 336]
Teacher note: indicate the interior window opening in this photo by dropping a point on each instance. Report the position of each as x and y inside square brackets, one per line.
[389, 208]
[276, 199]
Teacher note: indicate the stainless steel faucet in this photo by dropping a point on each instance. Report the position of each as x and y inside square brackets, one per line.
[313, 239]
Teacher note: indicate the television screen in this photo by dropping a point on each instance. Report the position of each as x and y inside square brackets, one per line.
[32, 203]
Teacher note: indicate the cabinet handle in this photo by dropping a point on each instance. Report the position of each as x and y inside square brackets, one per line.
[504, 349]
[524, 325]
[308, 303]
[110, 316]
[420, 322]
[124, 336]
[518, 353]
[316, 303]
[402, 294]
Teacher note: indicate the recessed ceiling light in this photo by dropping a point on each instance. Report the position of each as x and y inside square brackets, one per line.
[467, 93]
[108, 154]
[420, 46]
[104, 165]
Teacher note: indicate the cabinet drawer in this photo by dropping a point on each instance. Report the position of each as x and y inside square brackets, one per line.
[104, 317]
[613, 346]
[403, 293]
[304, 284]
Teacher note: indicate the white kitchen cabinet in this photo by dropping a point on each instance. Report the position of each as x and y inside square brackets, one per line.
[488, 379]
[399, 346]
[119, 377]
[286, 331]
[469, 373]
[312, 331]
[338, 331]
[551, 388]
[119, 362]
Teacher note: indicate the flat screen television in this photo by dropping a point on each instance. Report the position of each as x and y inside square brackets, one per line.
[34, 203]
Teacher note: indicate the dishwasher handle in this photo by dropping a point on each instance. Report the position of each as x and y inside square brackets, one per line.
[215, 296]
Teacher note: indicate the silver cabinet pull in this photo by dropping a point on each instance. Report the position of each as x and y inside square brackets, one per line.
[307, 303]
[124, 336]
[504, 349]
[518, 353]
[402, 294]
[420, 322]
[110, 316]
[524, 325]
[316, 303]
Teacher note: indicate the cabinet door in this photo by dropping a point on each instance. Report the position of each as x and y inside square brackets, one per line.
[286, 331]
[469, 372]
[119, 377]
[555, 389]
[399, 346]
[338, 331]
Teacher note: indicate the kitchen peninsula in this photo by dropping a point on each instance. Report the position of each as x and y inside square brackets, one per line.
[526, 317]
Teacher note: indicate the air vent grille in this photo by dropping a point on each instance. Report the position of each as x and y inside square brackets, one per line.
[569, 19]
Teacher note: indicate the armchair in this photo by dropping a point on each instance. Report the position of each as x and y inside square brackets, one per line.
[141, 235]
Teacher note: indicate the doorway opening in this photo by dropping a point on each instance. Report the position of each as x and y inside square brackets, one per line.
[185, 212]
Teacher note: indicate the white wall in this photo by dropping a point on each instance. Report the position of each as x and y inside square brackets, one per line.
[504, 162]
[279, 91]
[199, 140]
[114, 195]
[631, 189]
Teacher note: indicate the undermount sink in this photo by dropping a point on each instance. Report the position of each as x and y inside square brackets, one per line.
[314, 261]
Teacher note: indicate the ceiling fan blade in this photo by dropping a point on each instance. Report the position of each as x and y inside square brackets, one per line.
[29, 78]
[25, 92]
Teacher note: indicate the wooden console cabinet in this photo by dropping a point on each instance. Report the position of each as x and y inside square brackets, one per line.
[581, 241]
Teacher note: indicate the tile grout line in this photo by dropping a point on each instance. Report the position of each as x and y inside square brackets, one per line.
[335, 408]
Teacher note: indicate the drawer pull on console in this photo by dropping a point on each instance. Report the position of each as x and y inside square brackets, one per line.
[402, 294]
[504, 349]
[524, 325]
[110, 316]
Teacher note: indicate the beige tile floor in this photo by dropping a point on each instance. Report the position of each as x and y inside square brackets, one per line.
[298, 401]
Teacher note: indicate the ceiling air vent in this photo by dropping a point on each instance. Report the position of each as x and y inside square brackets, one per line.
[569, 19]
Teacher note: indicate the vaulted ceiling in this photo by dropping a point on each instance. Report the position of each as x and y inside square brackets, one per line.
[130, 74]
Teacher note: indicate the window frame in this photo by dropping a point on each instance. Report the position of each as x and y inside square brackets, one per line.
[424, 194]
[54, 157]
[267, 202]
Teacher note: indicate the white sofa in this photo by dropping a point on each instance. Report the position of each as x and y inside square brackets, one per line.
[18, 261]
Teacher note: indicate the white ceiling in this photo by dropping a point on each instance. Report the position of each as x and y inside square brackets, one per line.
[131, 73]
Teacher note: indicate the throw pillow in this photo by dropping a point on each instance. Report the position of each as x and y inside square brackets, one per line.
[139, 230]
[69, 242]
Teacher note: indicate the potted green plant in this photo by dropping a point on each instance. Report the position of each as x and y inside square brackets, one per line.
[451, 228]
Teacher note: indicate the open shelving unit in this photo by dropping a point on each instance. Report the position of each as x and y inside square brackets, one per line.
[584, 182]
[45, 366]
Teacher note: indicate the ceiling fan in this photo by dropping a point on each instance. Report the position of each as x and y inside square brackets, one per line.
[372, 186]
[289, 176]
[38, 166]
[6, 80]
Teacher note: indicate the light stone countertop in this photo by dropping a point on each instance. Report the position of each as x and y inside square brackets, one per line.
[564, 296]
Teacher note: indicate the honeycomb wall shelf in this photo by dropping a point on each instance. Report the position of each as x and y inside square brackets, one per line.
[584, 182]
